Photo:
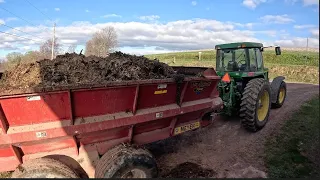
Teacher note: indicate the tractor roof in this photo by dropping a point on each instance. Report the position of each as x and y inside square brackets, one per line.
[238, 45]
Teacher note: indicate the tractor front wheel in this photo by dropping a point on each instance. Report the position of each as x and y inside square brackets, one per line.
[281, 95]
[255, 104]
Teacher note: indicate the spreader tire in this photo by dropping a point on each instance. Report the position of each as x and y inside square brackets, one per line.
[44, 168]
[281, 95]
[255, 105]
[126, 162]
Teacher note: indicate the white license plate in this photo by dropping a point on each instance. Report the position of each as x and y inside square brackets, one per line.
[187, 127]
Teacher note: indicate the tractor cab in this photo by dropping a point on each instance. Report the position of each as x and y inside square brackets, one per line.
[240, 59]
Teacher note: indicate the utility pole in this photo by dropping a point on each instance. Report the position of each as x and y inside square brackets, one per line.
[53, 39]
[307, 48]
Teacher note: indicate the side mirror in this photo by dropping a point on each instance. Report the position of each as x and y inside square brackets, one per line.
[278, 51]
[262, 49]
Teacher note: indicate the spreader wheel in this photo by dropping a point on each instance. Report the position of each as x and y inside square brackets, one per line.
[126, 162]
[255, 105]
[44, 168]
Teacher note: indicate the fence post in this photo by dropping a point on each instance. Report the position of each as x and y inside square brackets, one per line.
[200, 56]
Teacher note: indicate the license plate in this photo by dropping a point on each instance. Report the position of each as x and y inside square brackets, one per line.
[186, 127]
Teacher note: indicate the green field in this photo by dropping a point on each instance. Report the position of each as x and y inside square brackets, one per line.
[294, 152]
[296, 66]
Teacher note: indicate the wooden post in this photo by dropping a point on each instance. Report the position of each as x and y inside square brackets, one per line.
[200, 56]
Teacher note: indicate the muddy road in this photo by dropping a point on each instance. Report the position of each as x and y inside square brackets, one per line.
[224, 147]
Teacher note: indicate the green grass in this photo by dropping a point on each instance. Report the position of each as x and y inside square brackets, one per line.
[295, 66]
[287, 57]
[293, 152]
[295, 73]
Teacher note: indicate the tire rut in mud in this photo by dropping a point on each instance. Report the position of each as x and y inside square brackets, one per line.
[189, 170]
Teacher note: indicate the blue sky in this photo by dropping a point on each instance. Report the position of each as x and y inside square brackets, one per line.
[149, 26]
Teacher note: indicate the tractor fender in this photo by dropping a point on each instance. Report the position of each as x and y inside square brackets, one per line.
[275, 85]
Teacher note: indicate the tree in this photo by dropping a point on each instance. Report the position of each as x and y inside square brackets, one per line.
[32, 56]
[46, 48]
[13, 59]
[102, 42]
[72, 48]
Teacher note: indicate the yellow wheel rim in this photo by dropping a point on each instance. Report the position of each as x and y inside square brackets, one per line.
[281, 95]
[263, 106]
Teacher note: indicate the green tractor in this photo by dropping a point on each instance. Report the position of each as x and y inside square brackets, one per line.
[244, 87]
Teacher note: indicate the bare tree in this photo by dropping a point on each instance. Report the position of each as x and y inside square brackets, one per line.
[13, 59]
[46, 48]
[72, 48]
[102, 42]
[32, 56]
[90, 49]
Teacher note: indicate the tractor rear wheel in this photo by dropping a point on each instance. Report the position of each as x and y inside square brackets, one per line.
[255, 104]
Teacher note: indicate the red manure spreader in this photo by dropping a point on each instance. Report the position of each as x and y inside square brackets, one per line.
[98, 131]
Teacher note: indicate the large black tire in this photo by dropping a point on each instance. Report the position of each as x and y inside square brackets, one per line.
[281, 95]
[254, 90]
[44, 168]
[126, 162]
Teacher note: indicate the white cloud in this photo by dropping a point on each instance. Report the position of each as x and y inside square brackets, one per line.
[277, 19]
[298, 42]
[292, 2]
[69, 41]
[2, 1]
[149, 18]
[194, 3]
[57, 9]
[315, 33]
[144, 50]
[2, 21]
[111, 15]
[11, 19]
[310, 2]
[170, 36]
[246, 25]
[7, 46]
[26, 48]
[252, 4]
[304, 26]
[305, 2]
[87, 11]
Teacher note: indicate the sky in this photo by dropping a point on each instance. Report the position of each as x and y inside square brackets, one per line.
[159, 26]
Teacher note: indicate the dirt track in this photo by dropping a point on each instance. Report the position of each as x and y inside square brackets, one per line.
[224, 146]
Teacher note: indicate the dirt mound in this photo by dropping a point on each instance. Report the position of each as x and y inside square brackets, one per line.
[75, 69]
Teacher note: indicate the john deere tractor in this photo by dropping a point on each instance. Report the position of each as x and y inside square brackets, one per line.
[244, 87]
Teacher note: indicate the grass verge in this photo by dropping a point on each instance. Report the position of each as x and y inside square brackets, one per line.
[294, 152]
[287, 57]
